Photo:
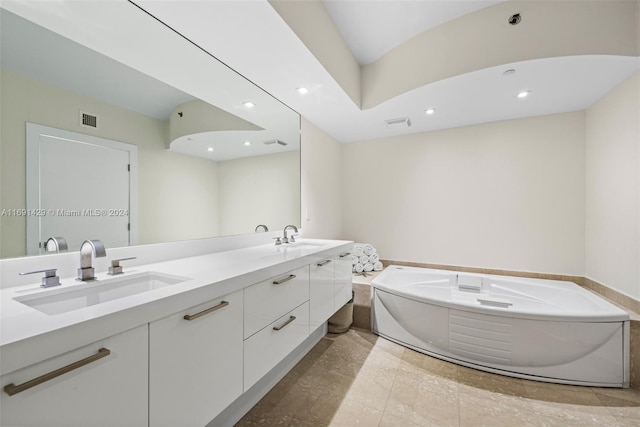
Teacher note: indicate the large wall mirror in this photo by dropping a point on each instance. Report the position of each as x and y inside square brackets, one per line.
[87, 83]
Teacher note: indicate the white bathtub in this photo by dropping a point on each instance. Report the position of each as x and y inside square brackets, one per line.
[544, 330]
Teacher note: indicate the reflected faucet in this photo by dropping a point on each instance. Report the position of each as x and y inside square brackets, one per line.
[56, 244]
[264, 228]
[292, 239]
[89, 248]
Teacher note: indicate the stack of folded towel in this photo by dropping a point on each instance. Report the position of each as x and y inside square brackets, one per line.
[365, 258]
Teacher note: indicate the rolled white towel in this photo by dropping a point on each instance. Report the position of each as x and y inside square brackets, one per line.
[358, 250]
[374, 257]
[378, 266]
[368, 267]
[355, 259]
[358, 268]
[369, 249]
[364, 259]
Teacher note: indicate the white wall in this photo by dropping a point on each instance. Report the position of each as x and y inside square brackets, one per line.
[259, 190]
[321, 182]
[505, 195]
[612, 233]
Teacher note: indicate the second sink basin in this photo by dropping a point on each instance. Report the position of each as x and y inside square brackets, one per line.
[64, 300]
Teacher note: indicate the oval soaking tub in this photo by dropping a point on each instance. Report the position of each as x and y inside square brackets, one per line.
[538, 329]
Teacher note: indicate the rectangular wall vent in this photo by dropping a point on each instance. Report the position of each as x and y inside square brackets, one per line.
[88, 120]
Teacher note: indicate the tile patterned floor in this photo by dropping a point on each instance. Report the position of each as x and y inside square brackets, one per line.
[359, 379]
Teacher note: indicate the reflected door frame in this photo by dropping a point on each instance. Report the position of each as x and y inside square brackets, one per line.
[33, 135]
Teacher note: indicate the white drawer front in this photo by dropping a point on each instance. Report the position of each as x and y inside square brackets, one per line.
[268, 347]
[266, 301]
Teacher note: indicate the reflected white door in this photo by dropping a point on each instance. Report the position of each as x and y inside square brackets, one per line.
[83, 189]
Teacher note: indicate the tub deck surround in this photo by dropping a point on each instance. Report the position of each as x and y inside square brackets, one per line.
[28, 335]
[529, 328]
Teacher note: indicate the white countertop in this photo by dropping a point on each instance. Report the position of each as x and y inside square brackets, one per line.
[28, 335]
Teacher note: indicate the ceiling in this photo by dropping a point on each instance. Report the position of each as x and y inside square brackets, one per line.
[269, 53]
[373, 28]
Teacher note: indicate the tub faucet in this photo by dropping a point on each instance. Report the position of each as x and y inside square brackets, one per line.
[291, 239]
[89, 248]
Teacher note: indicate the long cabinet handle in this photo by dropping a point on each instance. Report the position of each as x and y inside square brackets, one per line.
[291, 319]
[207, 311]
[286, 279]
[12, 389]
[326, 261]
[345, 254]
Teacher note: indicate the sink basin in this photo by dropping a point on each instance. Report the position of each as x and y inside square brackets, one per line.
[64, 300]
[303, 245]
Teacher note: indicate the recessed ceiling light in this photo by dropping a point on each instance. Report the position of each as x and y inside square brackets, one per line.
[523, 94]
[249, 104]
[210, 149]
[430, 111]
[247, 143]
[509, 72]
[302, 90]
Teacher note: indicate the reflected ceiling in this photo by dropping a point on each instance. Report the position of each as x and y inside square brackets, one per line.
[61, 62]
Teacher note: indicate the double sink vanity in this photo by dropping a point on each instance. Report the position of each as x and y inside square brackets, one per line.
[185, 341]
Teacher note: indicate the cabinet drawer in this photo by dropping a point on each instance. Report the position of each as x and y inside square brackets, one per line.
[266, 301]
[268, 347]
[110, 389]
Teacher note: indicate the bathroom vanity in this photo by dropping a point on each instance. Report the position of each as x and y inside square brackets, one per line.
[175, 342]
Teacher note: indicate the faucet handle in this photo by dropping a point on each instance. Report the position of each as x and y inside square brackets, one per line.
[278, 240]
[292, 238]
[50, 278]
[116, 268]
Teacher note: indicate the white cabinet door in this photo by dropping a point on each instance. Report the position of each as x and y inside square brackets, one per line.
[265, 349]
[321, 292]
[195, 366]
[109, 388]
[343, 279]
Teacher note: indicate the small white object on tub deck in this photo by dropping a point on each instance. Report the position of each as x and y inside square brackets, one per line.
[466, 281]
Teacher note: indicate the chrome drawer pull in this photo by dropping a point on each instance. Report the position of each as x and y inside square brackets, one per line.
[345, 254]
[286, 279]
[12, 389]
[326, 261]
[291, 319]
[207, 311]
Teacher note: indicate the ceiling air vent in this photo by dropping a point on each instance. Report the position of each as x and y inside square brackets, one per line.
[88, 120]
[275, 141]
[401, 123]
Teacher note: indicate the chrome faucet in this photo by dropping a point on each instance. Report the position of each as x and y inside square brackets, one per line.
[292, 239]
[264, 228]
[89, 248]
